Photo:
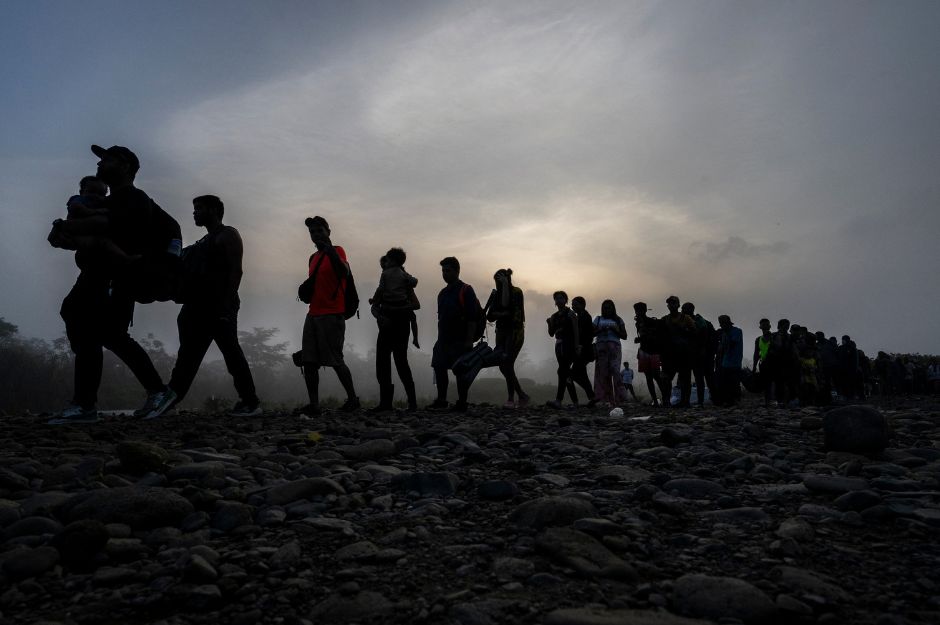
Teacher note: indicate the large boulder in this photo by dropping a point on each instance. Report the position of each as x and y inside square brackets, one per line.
[856, 429]
[722, 597]
[138, 457]
[141, 508]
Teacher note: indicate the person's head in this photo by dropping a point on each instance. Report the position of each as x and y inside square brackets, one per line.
[639, 309]
[764, 325]
[92, 185]
[116, 165]
[724, 321]
[846, 339]
[503, 277]
[626, 365]
[833, 341]
[395, 257]
[820, 336]
[450, 269]
[608, 309]
[810, 340]
[688, 308]
[208, 210]
[561, 299]
[578, 303]
[318, 227]
[783, 325]
[672, 303]
[383, 262]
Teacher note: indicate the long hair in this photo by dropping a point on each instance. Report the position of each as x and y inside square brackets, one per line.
[613, 309]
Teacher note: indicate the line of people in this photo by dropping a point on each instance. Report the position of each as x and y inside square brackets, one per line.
[130, 250]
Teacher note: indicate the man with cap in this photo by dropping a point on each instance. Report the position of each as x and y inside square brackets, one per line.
[325, 324]
[99, 309]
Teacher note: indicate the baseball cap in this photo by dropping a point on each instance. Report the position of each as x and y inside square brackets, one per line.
[118, 152]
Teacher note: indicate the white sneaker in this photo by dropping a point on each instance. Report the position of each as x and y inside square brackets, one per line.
[149, 404]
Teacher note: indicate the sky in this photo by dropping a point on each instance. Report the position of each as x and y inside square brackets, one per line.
[758, 159]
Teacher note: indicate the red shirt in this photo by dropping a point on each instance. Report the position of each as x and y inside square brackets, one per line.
[328, 296]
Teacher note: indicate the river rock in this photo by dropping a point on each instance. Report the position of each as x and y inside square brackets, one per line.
[722, 597]
[855, 429]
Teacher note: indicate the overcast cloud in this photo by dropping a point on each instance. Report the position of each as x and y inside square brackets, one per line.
[759, 159]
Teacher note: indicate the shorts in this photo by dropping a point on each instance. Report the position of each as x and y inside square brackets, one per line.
[647, 363]
[323, 338]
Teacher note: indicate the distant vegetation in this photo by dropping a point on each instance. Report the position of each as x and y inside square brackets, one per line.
[36, 375]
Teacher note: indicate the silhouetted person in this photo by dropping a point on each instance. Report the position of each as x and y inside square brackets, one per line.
[809, 370]
[848, 367]
[761, 350]
[649, 338]
[99, 308]
[608, 329]
[82, 233]
[457, 309]
[729, 358]
[827, 365]
[933, 377]
[325, 324]
[678, 333]
[212, 273]
[784, 361]
[506, 307]
[626, 376]
[704, 344]
[563, 326]
[585, 355]
[393, 306]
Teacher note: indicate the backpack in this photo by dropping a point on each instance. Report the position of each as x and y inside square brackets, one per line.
[350, 296]
[156, 276]
[478, 316]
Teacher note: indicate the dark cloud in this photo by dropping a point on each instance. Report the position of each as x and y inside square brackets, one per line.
[737, 247]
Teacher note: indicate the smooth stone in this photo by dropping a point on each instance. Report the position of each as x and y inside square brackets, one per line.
[11, 480]
[198, 569]
[855, 429]
[507, 569]
[113, 576]
[600, 616]
[286, 493]
[138, 457]
[79, 542]
[622, 473]
[287, 555]
[209, 456]
[692, 488]
[857, 500]
[441, 484]
[361, 550]
[801, 580]
[196, 472]
[25, 563]
[738, 515]
[141, 508]
[32, 526]
[834, 483]
[364, 606]
[721, 597]
[583, 553]
[930, 516]
[546, 511]
[797, 529]
[497, 490]
[231, 514]
[368, 450]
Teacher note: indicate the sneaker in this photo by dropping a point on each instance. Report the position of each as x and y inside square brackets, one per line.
[149, 405]
[523, 401]
[163, 404]
[509, 405]
[351, 405]
[244, 409]
[75, 414]
[437, 404]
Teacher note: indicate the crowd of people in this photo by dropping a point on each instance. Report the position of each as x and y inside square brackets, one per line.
[129, 250]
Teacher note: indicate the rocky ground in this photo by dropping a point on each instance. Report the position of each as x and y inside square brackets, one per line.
[535, 516]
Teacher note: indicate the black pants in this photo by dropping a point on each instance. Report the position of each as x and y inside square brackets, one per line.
[96, 318]
[729, 386]
[672, 365]
[579, 376]
[703, 369]
[393, 343]
[198, 327]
